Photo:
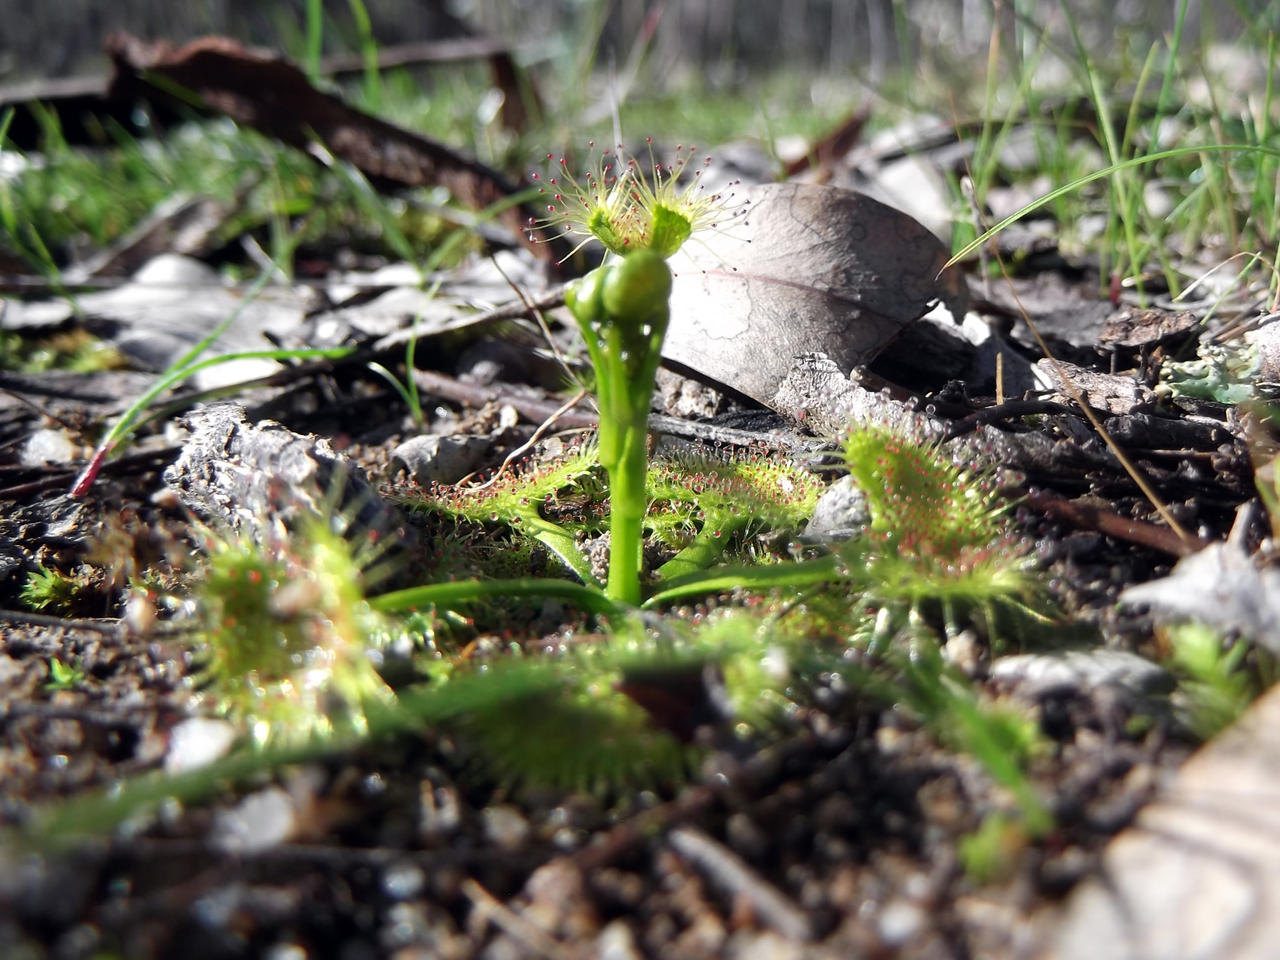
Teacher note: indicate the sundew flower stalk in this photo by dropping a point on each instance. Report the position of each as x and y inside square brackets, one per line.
[643, 217]
[622, 311]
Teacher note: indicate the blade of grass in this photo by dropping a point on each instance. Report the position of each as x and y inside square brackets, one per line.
[1121, 211]
[410, 399]
[132, 418]
[180, 370]
[1106, 171]
[372, 86]
[314, 39]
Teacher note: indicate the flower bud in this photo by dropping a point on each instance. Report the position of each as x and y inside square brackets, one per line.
[582, 297]
[636, 289]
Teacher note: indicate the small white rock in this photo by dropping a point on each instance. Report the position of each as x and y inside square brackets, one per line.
[197, 742]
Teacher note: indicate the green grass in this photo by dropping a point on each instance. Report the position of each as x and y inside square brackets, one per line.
[1140, 116]
[70, 202]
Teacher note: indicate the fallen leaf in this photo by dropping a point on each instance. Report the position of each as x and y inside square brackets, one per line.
[809, 268]
[1219, 586]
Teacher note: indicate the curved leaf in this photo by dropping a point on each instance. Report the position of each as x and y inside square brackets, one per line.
[809, 268]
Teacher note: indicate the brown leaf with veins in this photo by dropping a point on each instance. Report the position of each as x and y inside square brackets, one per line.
[810, 268]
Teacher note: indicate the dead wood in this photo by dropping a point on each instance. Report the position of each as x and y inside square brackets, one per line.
[274, 97]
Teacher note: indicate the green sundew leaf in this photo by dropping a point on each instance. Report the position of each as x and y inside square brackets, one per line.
[705, 548]
[514, 500]
[560, 542]
[1000, 742]
[583, 736]
[96, 814]
[726, 578]
[916, 495]
[730, 498]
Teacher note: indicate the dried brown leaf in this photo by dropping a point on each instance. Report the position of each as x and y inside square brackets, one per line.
[811, 268]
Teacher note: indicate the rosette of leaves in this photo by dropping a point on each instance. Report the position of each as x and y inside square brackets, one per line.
[285, 633]
[521, 499]
[940, 540]
[703, 505]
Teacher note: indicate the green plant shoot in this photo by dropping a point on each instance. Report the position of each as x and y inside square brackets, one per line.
[623, 313]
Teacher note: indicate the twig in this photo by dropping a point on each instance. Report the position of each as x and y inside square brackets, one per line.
[56, 475]
[535, 313]
[123, 720]
[735, 875]
[475, 395]
[630, 833]
[714, 433]
[528, 935]
[42, 411]
[108, 628]
[534, 437]
[1077, 397]
[1087, 517]
[1009, 410]
[507, 311]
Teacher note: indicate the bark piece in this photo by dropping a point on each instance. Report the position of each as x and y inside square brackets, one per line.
[821, 398]
[1145, 328]
[829, 149]
[85, 108]
[1114, 393]
[248, 476]
[1165, 433]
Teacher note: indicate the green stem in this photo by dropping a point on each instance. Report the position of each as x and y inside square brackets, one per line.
[622, 311]
[627, 503]
[450, 595]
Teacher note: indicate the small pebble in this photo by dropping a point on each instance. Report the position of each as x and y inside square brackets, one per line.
[402, 881]
[899, 921]
[259, 822]
[506, 826]
[432, 458]
[617, 942]
[841, 512]
[47, 446]
[197, 742]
